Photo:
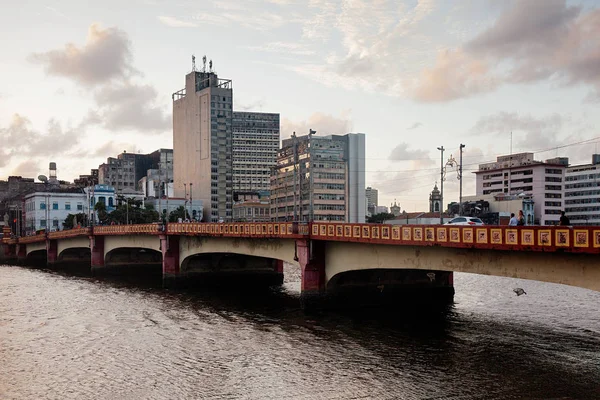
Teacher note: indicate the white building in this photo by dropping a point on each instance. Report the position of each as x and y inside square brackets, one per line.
[381, 209]
[372, 200]
[255, 146]
[520, 173]
[582, 193]
[48, 210]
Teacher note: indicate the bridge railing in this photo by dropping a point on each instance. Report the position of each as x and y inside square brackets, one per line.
[146, 229]
[242, 229]
[70, 233]
[41, 237]
[529, 238]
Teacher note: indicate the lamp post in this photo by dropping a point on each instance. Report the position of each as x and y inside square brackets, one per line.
[441, 149]
[191, 204]
[460, 175]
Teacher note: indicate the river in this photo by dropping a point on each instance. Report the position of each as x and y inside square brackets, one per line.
[78, 337]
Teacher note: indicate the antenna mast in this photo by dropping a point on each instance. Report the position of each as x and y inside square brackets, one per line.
[193, 63]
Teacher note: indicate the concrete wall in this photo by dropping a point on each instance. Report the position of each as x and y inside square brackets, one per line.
[582, 270]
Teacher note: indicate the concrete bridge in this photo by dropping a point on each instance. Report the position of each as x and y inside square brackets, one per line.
[334, 258]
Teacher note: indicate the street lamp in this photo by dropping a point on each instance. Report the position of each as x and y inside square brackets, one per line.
[460, 175]
[442, 173]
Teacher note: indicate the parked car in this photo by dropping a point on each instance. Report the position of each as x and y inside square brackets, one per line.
[465, 221]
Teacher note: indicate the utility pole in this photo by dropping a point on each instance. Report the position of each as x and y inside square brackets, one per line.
[191, 204]
[460, 176]
[441, 149]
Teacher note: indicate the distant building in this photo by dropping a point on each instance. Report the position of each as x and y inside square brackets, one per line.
[48, 209]
[520, 173]
[202, 142]
[380, 209]
[87, 180]
[118, 173]
[320, 178]
[254, 154]
[252, 211]
[500, 204]
[435, 200]
[395, 208]
[100, 193]
[582, 193]
[372, 198]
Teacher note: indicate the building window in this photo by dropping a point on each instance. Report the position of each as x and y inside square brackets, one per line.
[67, 205]
[55, 223]
[79, 207]
[55, 205]
[42, 206]
[111, 202]
[43, 223]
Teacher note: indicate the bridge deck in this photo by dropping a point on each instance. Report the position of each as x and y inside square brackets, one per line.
[526, 238]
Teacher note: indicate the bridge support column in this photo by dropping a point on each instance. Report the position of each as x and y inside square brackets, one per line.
[311, 257]
[169, 246]
[51, 252]
[21, 253]
[97, 249]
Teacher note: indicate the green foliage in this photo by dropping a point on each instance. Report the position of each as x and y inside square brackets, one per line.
[380, 218]
[100, 208]
[82, 219]
[180, 212]
[132, 211]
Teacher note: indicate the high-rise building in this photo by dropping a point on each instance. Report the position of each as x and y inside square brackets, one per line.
[202, 142]
[521, 174]
[372, 195]
[255, 144]
[582, 193]
[320, 178]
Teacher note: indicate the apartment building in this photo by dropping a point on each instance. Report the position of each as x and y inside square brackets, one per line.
[520, 173]
[320, 178]
[582, 193]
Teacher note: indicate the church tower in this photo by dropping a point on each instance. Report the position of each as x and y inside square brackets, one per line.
[435, 200]
[395, 209]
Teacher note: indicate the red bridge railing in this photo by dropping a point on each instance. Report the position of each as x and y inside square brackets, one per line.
[128, 229]
[258, 230]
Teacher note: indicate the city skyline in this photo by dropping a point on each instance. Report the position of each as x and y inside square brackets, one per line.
[92, 83]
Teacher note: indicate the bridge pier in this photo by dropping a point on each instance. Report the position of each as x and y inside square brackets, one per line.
[311, 257]
[97, 250]
[51, 252]
[21, 253]
[169, 246]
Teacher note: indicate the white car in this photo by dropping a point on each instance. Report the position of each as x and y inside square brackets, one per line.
[465, 221]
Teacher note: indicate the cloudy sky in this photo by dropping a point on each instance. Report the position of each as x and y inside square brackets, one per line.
[82, 81]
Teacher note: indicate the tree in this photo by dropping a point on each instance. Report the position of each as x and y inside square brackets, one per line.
[70, 220]
[380, 218]
[180, 212]
[132, 211]
[100, 208]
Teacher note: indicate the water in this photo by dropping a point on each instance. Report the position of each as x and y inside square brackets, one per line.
[67, 337]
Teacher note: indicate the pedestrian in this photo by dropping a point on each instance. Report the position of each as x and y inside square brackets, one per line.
[513, 220]
[564, 220]
[521, 218]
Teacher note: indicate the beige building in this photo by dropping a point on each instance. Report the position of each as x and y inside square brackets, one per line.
[320, 178]
[202, 143]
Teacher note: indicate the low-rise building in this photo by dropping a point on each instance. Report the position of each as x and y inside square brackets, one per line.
[48, 209]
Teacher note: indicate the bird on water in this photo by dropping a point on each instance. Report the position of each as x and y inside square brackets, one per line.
[519, 291]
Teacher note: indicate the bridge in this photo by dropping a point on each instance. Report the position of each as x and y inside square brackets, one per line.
[334, 258]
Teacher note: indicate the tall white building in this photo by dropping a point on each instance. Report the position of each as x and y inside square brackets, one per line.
[582, 193]
[372, 198]
[320, 178]
[520, 173]
[202, 143]
[255, 145]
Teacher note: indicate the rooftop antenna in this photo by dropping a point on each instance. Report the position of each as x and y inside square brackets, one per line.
[204, 63]
[193, 63]
[210, 66]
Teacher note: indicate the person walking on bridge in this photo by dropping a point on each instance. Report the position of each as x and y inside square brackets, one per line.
[564, 220]
[513, 220]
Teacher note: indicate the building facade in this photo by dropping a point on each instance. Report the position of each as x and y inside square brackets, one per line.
[521, 174]
[118, 172]
[48, 210]
[435, 200]
[372, 200]
[582, 193]
[202, 142]
[320, 178]
[255, 145]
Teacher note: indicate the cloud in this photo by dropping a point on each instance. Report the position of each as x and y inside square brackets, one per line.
[109, 149]
[30, 168]
[19, 139]
[106, 55]
[414, 126]
[402, 153]
[324, 124]
[292, 48]
[176, 22]
[454, 75]
[130, 106]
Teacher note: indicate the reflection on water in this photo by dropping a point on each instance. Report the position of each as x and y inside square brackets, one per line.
[69, 337]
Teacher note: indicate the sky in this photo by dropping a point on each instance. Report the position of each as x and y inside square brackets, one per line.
[83, 81]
